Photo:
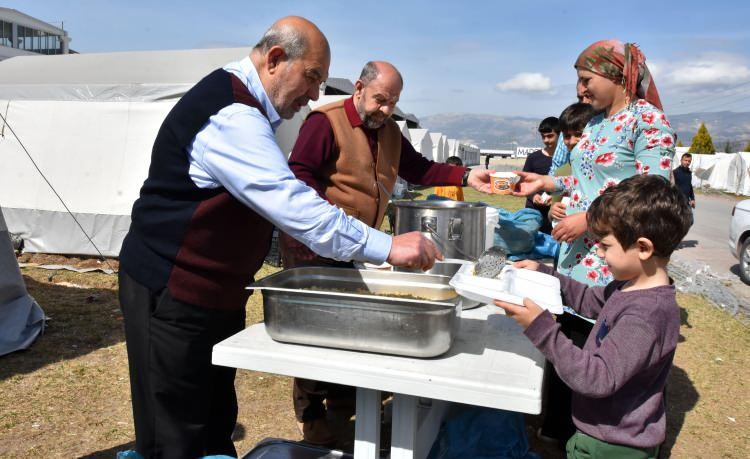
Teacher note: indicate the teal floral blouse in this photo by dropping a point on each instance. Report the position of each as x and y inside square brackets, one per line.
[636, 140]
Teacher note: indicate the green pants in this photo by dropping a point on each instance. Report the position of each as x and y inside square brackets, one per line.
[582, 446]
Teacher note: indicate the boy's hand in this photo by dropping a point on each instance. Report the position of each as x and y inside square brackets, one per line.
[571, 227]
[524, 315]
[527, 264]
[541, 199]
[557, 211]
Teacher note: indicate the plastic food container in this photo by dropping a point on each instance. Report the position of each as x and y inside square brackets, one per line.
[512, 286]
[503, 182]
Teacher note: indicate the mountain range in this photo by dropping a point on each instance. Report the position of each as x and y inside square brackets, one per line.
[506, 132]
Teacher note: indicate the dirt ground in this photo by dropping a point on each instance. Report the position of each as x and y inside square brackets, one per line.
[68, 395]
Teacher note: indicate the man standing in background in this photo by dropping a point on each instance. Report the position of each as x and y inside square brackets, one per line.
[683, 178]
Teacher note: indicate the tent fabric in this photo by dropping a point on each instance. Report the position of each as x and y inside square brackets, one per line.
[111, 77]
[720, 172]
[96, 155]
[446, 149]
[743, 172]
[702, 167]
[437, 146]
[453, 148]
[422, 142]
[404, 129]
[21, 318]
[728, 172]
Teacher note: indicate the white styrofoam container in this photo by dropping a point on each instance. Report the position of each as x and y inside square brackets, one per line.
[512, 286]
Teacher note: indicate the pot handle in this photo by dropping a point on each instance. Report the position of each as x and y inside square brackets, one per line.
[429, 224]
[455, 229]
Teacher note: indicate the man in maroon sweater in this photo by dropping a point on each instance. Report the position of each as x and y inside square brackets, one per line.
[351, 152]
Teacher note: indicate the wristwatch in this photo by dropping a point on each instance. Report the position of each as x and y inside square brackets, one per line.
[465, 179]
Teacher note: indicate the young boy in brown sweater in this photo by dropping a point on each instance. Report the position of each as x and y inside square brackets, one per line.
[618, 377]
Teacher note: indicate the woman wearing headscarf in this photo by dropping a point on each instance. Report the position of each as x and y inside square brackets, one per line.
[630, 136]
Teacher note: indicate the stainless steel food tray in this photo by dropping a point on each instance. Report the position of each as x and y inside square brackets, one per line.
[339, 314]
[447, 267]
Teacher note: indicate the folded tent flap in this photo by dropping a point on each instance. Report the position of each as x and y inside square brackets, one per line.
[512, 285]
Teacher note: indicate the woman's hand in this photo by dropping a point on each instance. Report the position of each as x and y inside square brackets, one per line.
[557, 211]
[524, 315]
[527, 264]
[532, 183]
[570, 228]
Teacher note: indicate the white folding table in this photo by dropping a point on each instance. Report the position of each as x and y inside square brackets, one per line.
[490, 364]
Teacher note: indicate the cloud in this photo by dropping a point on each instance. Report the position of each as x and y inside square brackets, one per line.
[707, 70]
[526, 82]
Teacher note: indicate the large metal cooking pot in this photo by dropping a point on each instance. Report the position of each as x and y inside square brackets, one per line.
[457, 228]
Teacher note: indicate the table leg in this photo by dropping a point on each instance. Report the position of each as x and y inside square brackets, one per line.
[367, 426]
[404, 432]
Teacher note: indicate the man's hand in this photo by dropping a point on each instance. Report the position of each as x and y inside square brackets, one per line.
[479, 179]
[413, 250]
[531, 265]
[557, 211]
[532, 183]
[524, 315]
[570, 228]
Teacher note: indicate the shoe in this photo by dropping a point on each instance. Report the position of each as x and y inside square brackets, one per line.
[317, 432]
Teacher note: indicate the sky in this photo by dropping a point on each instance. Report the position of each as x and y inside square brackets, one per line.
[491, 57]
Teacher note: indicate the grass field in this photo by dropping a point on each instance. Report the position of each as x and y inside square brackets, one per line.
[68, 396]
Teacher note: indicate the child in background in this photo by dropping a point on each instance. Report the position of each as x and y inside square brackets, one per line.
[540, 162]
[618, 377]
[573, 120]
[455, 193]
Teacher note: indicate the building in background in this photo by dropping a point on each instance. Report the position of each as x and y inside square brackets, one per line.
[23, 35]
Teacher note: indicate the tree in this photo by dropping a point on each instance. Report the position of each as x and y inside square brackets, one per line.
[702, 142]
[728, 147]
[679, 143]
[747, 147]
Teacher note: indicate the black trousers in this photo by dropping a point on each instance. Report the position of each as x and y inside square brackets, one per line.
[183, 406]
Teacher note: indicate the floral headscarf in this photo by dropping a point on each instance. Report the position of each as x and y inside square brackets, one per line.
[624, 64]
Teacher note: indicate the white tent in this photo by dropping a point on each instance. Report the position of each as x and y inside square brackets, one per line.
[470, 154]
[21, 318]
[89, 121]
[702, 166]
[422, 142]
[722, 169]
[453, 148]
[437, 146]
[404, 129]
[446, 149]
[735, 173]
[743, 187]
